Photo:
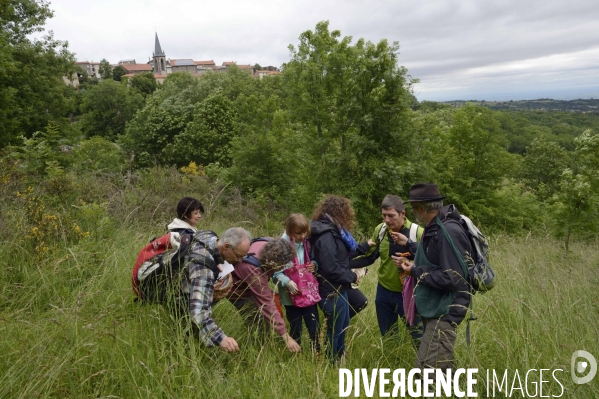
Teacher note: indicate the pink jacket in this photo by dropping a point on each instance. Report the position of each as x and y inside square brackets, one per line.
[251, 281]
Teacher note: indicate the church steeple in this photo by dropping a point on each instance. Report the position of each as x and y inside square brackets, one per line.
[159, 58]
[157, 49]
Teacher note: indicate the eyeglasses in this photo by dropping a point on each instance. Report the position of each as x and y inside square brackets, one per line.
[237, 256]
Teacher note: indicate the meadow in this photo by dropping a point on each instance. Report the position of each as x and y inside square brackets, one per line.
[69, 327]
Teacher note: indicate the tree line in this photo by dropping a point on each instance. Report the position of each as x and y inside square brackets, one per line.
[342, 119]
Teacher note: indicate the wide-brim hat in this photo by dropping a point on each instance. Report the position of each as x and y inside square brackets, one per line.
[425, 192]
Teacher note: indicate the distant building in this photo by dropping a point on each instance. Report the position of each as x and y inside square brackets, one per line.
[246, 68]
[137, 68]
[205, 63]
[72, 80]
[159, 58]
[161, 67]
[92, 68]
[183, 65]
[265, 72]
[159, 78]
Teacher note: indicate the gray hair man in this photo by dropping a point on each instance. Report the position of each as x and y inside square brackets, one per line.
[207, 256]
[442, 293]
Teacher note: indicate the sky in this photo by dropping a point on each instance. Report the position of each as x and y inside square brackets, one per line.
[458, 49]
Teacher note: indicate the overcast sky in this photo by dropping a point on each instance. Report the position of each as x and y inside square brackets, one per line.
[459, 49]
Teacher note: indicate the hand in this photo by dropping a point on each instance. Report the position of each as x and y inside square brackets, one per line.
[371, 243]
[229, 345]
[361, 272]
[291, 344]
[399, 238]
[407, 266]
[398, 260]
[292, 288]
[310, 267]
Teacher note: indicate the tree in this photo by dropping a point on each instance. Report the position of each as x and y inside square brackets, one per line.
[169, 110]
[165, 114]
[118, 72]
[544, 163]
[32, 92]
[107, 107]
[274, 157]
[144, 82]
[207, 138]
[575, 206]
[475, 161]
[353, 101]
[105, 69]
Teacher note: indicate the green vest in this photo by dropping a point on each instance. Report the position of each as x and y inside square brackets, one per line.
[431, 303]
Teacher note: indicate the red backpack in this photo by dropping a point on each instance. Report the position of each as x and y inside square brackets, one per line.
[159, 261]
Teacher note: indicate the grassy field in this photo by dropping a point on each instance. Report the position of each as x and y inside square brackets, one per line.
[69, 329]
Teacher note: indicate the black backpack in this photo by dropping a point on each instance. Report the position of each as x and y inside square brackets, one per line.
[156, 275]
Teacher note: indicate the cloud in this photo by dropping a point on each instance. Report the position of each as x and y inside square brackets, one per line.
[457, 46]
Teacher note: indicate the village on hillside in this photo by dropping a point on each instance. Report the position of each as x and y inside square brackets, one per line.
[161, 67]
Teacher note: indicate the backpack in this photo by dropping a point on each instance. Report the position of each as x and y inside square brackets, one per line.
[159, 262]
[479, 273]
[251, 256]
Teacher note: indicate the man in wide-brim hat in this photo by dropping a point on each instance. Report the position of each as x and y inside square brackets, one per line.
[442, 294]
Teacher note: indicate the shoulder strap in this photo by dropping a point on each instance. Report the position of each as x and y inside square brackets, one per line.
[453, 247]
[252, 260]
[259, 239]
[215, 270]
[307, 257]
[413, 232]
[382, 232]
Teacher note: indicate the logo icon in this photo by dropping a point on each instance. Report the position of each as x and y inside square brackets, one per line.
[580, 367]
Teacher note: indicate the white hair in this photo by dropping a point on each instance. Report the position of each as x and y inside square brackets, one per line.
[429, 206]
[235, 236]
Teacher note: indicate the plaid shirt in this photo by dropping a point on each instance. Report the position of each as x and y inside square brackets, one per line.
[199, 285]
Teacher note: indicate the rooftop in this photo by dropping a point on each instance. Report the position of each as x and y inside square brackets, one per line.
[183, 62]
[137, 67]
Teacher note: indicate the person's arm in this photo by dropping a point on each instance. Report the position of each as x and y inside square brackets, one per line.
[262, 295]
[200, 304]
[280, 278]
[370, 255]
[365, 260]
[328, 264]
[362, 249]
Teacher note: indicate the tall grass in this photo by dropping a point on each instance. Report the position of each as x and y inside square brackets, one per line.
[69, 327]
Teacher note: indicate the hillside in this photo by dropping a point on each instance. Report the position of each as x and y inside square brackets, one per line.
[543, 104]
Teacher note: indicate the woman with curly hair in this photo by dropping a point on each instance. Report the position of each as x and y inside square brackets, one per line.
[333, 246]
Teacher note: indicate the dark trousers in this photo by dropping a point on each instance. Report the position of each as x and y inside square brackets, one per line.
[389, 309]
[336, 312]
[436, 349]
[309, 316]
[357, 301]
